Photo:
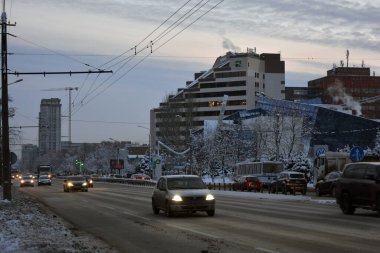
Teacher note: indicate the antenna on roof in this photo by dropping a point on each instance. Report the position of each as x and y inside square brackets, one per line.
[363, 65]
[347, 56]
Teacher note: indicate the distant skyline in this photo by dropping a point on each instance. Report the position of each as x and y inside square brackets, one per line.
[62, 35]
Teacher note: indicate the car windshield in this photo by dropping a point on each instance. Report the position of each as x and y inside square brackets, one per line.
[267, 179]
[76, 178]
[44, 177]
[185, 183]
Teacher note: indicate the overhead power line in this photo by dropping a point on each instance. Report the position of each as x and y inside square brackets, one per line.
[83, 103]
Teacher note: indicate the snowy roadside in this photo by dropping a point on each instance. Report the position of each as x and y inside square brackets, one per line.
[26, 226]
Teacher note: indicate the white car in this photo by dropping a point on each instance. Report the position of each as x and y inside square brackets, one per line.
[44, 180]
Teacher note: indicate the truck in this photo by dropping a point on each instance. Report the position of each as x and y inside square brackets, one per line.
[44, 169]
[330, 161]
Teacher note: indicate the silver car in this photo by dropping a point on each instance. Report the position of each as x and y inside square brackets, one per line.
[182, 193]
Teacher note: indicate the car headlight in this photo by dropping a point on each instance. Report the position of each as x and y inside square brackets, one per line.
[22, 181]
[209, 197]
[177, 198]
[90, 181]
[84, 184]
[69, 184]
[32, 181]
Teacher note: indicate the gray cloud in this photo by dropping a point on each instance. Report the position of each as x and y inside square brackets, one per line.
[336, 23]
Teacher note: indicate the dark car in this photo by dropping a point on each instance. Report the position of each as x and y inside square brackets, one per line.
[90, 181]
[44, 180]
[327, 184]
[182, 193]
[27, 180]
[264, 181]
[289, 181]
[359, 187]
[75, 183]
[246, 183]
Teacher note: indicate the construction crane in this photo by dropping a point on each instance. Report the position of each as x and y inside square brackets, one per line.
[70, 89]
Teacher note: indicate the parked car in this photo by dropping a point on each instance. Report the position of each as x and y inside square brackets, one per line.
[359, 187]
[75, 183]
[289, 181]
[140, 176]
[264, 181]
[27, 180]
[44, 180]
[182, 193]
[327, 184]
[246, 183]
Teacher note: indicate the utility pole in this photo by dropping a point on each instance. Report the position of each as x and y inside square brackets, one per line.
[6, 163]
[5, 170]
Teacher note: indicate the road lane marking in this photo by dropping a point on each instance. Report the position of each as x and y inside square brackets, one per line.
[194, 231]
[135, 215]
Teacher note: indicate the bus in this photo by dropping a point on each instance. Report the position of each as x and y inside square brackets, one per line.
[44, 170]
[252, 168]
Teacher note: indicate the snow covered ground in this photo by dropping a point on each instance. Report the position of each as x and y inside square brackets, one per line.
[28, 227]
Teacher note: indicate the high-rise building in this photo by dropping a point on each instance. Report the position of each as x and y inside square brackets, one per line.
[29, 155]
[240, 76]
[352, 87]
[49, 136]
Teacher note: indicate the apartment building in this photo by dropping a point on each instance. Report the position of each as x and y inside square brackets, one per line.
[49, 132]
[240, 76]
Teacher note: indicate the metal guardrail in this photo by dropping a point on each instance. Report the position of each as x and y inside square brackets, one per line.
[228, 187]
[148, 183]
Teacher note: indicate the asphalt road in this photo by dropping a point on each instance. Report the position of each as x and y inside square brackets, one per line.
[121, 215]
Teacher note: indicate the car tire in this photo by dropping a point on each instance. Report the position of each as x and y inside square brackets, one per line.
[211, 213]
[378, 204]
[346, 204]
[154, 208]
[333, 192]
[318, 191]
[168, 212]
[304, 191]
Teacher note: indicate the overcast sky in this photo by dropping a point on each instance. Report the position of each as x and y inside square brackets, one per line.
[77, 35]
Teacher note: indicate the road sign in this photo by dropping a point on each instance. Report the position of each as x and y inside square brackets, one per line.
[357, 154]
[320, 151]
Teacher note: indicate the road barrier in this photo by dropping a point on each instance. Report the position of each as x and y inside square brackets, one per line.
[148, 183]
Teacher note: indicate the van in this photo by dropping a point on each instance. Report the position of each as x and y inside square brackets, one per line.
[359, 187]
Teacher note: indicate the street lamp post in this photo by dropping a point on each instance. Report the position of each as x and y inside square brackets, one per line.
[150, 152]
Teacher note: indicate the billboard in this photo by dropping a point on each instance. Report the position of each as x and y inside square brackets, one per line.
[116, 164]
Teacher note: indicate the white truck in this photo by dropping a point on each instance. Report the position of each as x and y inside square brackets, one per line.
[330, 161]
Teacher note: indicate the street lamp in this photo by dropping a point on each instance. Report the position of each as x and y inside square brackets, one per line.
[149, 145]
[17, 81]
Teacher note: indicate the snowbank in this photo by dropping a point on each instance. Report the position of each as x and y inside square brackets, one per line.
[26, 226]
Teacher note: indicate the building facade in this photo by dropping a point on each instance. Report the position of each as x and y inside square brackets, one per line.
[231, 85]
[29, 155]
[352, 87]
[320, 126]
[49, 134]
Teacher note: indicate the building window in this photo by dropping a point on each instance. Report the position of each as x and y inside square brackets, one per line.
[211, 104]
[263, 85]
[257, 84]
[238, 64]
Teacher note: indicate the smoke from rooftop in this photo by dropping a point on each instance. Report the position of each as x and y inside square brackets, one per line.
[227, 44]
[339, 96]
